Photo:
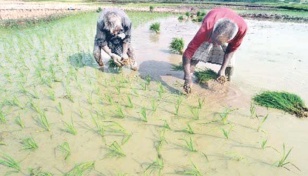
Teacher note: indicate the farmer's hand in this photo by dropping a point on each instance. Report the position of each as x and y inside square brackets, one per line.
[187, 86]
[221, 77]
[124, 57]
[117, 59]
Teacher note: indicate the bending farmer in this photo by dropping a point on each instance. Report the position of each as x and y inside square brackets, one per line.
[113, 35]
[220, 26]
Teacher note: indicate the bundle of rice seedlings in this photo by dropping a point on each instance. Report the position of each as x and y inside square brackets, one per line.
[155, 27]
[205, 75]
[177, 45]
[285, 101]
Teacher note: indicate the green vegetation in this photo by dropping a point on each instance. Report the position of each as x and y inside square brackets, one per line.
[81, 169]
[29, 144]
[285, 101]
[177, 45]
[8, 161]
[155, 27]
[52, 80]
[205, 75]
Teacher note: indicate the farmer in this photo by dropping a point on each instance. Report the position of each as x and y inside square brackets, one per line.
[113, 35]
[222, 31]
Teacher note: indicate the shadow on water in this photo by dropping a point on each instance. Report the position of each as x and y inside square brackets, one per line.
[156, 70]
[82, 59]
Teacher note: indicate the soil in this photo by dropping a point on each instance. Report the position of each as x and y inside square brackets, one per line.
[19, 10]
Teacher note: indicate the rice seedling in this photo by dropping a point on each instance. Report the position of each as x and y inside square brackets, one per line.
[262, 122]
[181, 18]
[65, 149]
[227, 132]
[35, 107]
[189, 129]
[200, 103]
[90, 98]
[194, 170]
[29, 144]
[195, 112]
[187, 14]
[283, 161]
[177, 45]
[154, 105]
[285, 101]
[81, 114]
[161, 140]
[43, 122]
[252, 110]
[118, 88]
[69, 95]
[19, 122]
[125, 138]
[59, 108]
[115, 150]
[34, 94]
[8, 161]
[177, 105]
[38, 172]
[99, 126]
[81, 169]
[155, 27]
[130, 102]
[14, 102]
[190, 146]
[2, 117]
[166, 125]
[161, 90]
[109, 99]
[143, 113]
[51, 93]
[151, 8]
[156, 166]
[263, 144]
[224, 115]
[205, 75]
[70, 128]
[119, 112]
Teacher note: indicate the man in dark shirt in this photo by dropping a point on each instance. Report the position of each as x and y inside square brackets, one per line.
[113, 35]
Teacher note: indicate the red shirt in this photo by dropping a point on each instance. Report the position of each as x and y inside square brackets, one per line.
[204, 33]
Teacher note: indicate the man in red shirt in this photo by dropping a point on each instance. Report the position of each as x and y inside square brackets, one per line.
[219, 26]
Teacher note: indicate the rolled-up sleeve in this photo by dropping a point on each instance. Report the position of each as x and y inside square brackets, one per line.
[100, 37]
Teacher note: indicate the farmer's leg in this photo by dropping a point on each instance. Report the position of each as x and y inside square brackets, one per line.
[193, 64]
[230, 69]
[132, 61]
[98, 55]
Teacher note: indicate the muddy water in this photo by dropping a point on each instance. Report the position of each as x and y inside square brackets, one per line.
[95, 116]
[272, 57]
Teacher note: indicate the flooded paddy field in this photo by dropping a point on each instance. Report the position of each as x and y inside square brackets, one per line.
[63, 116]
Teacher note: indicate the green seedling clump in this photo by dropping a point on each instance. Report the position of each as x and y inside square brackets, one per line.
[205, 75]
[155, 27]
[285, 101]
[177, 45]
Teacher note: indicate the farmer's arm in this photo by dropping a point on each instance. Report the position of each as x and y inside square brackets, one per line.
[227, 58]
[232, 47]
[187, 75]
[128, 32]
[99, 43]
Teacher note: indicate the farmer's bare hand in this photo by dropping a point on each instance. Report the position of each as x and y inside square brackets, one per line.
[187, 86]
[124, 57]
[117, 59]
[221, 77]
